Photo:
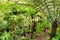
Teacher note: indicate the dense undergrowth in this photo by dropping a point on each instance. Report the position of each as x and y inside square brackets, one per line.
[16, 19]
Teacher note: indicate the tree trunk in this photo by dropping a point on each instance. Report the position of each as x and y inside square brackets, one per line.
[33, 28]
[53, 30]
[13, 25]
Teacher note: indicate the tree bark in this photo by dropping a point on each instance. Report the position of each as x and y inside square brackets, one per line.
[53, 30]
[33, 28]
[13, 25]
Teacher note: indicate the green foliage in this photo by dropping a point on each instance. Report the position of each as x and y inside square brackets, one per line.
[18, 31]
[42, 25]
[6, 36]
[21, 15]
